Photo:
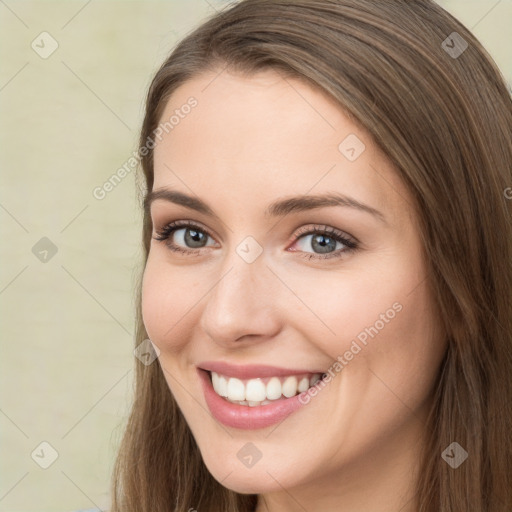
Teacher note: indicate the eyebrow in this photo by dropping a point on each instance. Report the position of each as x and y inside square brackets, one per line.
[279, 208]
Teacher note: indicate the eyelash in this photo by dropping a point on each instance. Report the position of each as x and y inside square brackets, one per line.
[350, 245]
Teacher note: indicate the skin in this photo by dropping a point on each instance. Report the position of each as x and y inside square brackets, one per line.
[250, 141]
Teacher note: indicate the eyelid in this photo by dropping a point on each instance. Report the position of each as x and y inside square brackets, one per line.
[350, 242]
[323, 228]
[182, 223]
[301, 231]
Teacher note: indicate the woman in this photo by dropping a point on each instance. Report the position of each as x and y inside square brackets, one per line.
[327, 279]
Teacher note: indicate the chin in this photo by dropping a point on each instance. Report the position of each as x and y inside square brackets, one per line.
[263, 477]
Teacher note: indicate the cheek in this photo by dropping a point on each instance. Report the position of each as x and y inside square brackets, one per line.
[376, 317]
[167, 300]
[392, 354]
[340, 308]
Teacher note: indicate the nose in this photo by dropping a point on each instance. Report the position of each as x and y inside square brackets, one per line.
[242, 305]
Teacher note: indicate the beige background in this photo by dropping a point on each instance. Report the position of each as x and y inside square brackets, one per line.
[68, 122]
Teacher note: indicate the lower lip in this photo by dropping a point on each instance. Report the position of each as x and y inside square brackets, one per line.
[244, 416]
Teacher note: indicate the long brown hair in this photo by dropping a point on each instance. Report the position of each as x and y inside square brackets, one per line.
[442, 114]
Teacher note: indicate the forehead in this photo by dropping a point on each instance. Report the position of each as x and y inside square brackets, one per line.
[266, 135]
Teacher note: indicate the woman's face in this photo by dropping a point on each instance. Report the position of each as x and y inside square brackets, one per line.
[302, 257]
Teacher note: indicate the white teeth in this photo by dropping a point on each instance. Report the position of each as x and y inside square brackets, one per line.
[236, 389]
[222, 389]
[303, 384]
[290, 386]
[215, 380]
[249, 403]
[274, 389]
[254, 392]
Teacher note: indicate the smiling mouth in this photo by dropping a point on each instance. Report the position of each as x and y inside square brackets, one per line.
[261, 391]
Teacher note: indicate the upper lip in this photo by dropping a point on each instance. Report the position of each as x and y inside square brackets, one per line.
[251, 371]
